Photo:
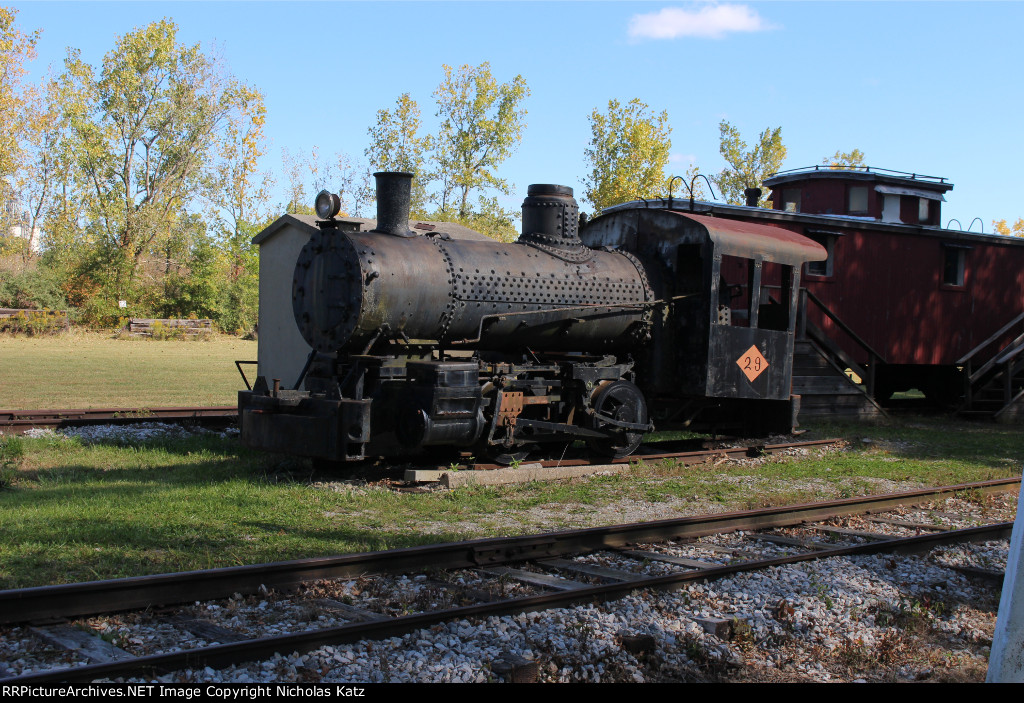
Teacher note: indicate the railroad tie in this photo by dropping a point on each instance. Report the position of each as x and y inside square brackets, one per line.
[87, 644]
[350, 612]
[533, 578]
[204, 629]
[668, 559]
[601, 572]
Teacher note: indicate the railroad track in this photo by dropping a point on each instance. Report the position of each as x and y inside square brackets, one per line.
[482, 578]
[19, 421]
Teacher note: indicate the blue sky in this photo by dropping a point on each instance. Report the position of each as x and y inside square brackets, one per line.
[933, 88]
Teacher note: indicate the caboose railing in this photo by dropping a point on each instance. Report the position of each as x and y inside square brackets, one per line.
[1007, 360]
[806, 328]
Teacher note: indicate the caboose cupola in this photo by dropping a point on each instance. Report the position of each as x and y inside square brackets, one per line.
[861, 191]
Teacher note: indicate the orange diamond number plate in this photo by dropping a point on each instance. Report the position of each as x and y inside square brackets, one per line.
[752, 363]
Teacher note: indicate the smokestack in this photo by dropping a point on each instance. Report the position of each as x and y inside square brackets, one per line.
[394, 197]
[551, 222]
[753, 195]
[551, 211]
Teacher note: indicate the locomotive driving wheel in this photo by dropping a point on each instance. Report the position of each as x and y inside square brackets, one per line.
[615, 404]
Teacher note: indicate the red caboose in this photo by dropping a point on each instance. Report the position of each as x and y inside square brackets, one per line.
[900, 301]
[903, 301]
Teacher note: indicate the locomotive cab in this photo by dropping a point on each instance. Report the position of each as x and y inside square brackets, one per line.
[724, 328]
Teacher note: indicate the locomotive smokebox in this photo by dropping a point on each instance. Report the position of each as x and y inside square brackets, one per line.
[394, 197]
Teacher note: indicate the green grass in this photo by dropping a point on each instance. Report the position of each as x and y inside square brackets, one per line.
[91, 370]
[88, 512]
[71, 512]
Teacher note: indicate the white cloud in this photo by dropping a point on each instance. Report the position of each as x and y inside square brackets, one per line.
[682, 159]
[710, 22]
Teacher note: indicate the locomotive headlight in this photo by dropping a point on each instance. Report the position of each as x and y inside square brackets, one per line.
[327, 205]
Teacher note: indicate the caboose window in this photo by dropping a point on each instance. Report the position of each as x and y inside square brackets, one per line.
[891, 208]
[791, 200]
[822, 268]
[857, 200]
[923, 209]
[953, 266]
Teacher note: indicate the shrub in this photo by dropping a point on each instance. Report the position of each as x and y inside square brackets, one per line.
[35, 288]
[35, 322]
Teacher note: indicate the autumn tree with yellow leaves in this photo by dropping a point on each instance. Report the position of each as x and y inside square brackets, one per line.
[747, 167]
[1014, 230]
[482, 123]
[845, 160]
[17, 48]
[628, 153]
[145, 131]
[396, 145]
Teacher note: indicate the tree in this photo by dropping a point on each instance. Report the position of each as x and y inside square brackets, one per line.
[45, 169]
[845, 160]
[747, 168]
[628, 153]
[1001, 227]
[188, 277]
[490, 219]
[395, 145]
[295, 171]
[236, 189]
[221, 275]
[57, 195]
[352, 184]
[340, 175]
[16, 49]
[482, 123]
[143, 135]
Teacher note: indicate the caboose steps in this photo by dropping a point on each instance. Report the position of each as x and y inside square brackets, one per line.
[826, 391]
[995, 389]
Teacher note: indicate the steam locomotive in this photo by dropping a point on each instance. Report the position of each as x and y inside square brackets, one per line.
[589, 333]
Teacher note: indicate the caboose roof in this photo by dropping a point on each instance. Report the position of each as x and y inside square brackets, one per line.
[932, 185]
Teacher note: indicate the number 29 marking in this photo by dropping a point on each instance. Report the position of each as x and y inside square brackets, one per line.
[752, 363]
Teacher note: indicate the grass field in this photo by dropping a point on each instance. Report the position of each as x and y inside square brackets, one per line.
[91, 370]
[71, 511]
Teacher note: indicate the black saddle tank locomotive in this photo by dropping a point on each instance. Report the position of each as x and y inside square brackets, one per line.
[429, 340]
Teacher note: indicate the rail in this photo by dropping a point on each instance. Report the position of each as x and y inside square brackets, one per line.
[861, 169]
[807, 328]
[19, 421]
[488, 556]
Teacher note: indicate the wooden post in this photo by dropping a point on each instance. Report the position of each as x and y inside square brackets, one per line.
[968, 392]
[1008, 382]
[869, 382]
[801, 317]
